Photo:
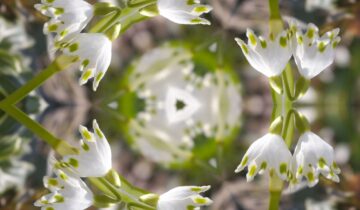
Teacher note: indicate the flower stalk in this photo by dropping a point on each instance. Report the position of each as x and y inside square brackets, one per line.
[60, 63]
[275, 196]
[9, 105]
[283, 98]
[60, 146]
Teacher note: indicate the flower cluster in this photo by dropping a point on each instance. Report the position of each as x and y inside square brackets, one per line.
[312, 157]
[312, 53]
[92, 51]
[68, 18]
[67, 190]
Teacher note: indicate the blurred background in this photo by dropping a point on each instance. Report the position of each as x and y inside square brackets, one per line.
[189, 121]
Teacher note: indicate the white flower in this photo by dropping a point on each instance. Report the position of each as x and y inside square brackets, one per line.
[94, 159]
[183, 11]
[312, 53]
[94, 53]
[313, 156]
[67, 17]
[183, 198]
[265, 154]
[67, 193]
[268, 56]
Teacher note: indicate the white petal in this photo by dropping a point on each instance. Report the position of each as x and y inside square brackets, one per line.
[71, 16]
[94, 51]
[313, 156]
[181, 12]
[313, 54]
[181, 198]
[267, 153]
[267, 56]
[95, 158]
[73, 195]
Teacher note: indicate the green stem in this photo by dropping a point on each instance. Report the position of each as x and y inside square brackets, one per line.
[274, 200]
[276, 26]
[126, 17]
[275, 188]
[288, 128]
[274, 10]
[112, 22]
[288, 90]
[61, 146]
[110, 187]
[119, 193]
[59, 64]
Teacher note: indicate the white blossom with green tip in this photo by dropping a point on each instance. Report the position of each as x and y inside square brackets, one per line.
[183, 11]
[66, 193]
[67, 17]
[94, 52]
[94, 159]
[313, 156]
[268, 56]
[183, 198]
[268, 153]
[312, 53]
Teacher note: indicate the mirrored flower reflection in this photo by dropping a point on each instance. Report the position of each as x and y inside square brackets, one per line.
[14, 174]
[94, 159]
[183, 198]
[15, 36]
[66, 193]
[184, 11]
[269, 55]
[14, 168]
[312, 53]
[67, 17]
[266, 154]
[180, 105]
[312, 157]
[94, 54]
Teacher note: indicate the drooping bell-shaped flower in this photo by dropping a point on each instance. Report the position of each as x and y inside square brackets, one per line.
[267, 153]
[183, 198]
[313, 156]
[183, 11]
[268, 56]
[94, 159]
[67, 17]
[66, 193]
[94, 53]
[312, 53]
